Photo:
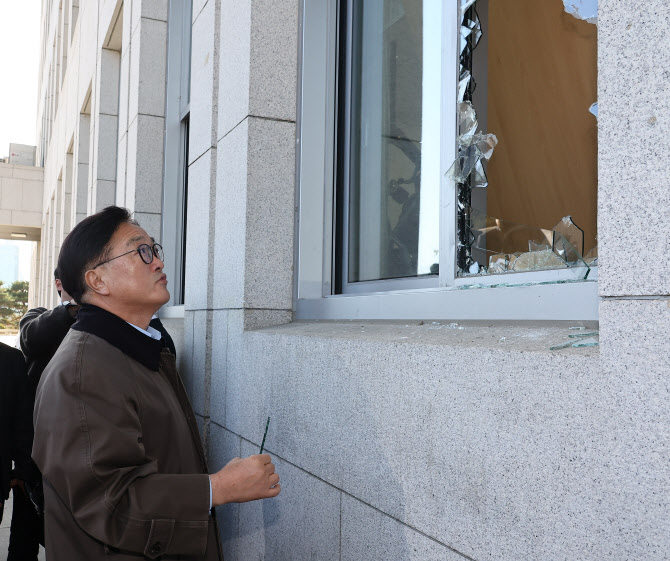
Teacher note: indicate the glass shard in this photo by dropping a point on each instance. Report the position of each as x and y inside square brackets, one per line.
[580, 335]
[499, 263]
[470, 28]
[472, 148]
[571, 232]
[517, 247]
[478, 178]
[561, 346]
[467, 119]
[591, 258]
[463, 84]
[535, 260]
[594, 109]
[591, 342]
[465, 4]
[586, 10]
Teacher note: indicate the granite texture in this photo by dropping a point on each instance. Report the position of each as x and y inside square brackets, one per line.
[634, 423]
[131, 163]
[219, 361]
[152, 9]
[202, 82]
[234, 65]
[254, 216]
[198, 240]
[185, 361]
[270, 210]
[151, 223]
[106, 147]
[124, 91]
[105, 193]
[202, 330]
[368, 534]
[152, 47]
[109, 82]
[483, 445]
[273, 59]
[303, 522]
[231, 195]
[148, 172]
[121, 176]
[633, 127]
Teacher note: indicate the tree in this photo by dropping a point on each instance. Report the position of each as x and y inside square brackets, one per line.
[13, 304]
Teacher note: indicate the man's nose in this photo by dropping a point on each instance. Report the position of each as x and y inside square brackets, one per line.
[157, 264]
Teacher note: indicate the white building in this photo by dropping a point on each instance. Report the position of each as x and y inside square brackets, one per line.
[292, 158]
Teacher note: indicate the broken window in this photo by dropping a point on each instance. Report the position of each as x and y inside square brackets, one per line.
[525, 167]
[526, 186]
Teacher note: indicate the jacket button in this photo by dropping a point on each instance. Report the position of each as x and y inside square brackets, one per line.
[155, 549]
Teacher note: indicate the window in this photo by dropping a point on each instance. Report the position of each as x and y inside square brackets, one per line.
[175, 187]
[427, 214]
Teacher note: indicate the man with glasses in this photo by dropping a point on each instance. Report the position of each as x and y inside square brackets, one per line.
[115, 436]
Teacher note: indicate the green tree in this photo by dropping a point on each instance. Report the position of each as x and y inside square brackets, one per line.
[13, 304]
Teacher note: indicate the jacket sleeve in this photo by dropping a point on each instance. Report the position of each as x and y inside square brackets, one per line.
[43, 330]
[89, 448]
[22, 424]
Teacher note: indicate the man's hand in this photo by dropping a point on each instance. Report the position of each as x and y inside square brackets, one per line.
[243, 480]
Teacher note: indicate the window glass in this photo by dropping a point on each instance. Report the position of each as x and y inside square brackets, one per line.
[391, 201]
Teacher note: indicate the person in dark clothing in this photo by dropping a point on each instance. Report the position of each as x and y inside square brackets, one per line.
[16, 436]
[42, 331]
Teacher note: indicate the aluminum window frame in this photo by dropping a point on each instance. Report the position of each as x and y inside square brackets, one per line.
[540, 295]
[177, 114]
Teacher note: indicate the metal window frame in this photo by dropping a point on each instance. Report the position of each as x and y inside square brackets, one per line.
[177, 111]
[541, 295]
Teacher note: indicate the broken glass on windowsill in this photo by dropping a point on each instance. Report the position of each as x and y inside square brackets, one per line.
[499, 247]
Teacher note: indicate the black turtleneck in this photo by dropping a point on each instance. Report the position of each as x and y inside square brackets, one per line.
[119, 333]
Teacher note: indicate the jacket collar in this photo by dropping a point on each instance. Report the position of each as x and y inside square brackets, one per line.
[120, 334]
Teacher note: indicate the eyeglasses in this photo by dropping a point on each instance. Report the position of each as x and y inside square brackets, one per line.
[146, 251]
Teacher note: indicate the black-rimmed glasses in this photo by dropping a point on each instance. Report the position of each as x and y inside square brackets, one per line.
[146, 251]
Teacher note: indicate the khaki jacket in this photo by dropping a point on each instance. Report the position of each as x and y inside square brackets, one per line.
[118, 446]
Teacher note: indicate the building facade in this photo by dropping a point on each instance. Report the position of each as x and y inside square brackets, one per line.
[316, 172]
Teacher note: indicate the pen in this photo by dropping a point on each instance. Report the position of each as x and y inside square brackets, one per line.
[264, 435]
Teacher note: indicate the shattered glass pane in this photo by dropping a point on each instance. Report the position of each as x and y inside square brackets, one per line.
[538, 259]
[594, 109]
[591, 258]
[467, 119]
[478, 178]
[471, 151]
[571, 232]
[586, 10]
[463, 84]
[465, 4]
[517, 247]
[463, 165]
[483, 143]
[467, 29]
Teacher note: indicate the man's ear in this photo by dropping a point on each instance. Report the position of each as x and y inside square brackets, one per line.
[96, 283]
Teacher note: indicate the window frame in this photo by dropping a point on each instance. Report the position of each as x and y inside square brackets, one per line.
[175, 173]
[538, 295]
